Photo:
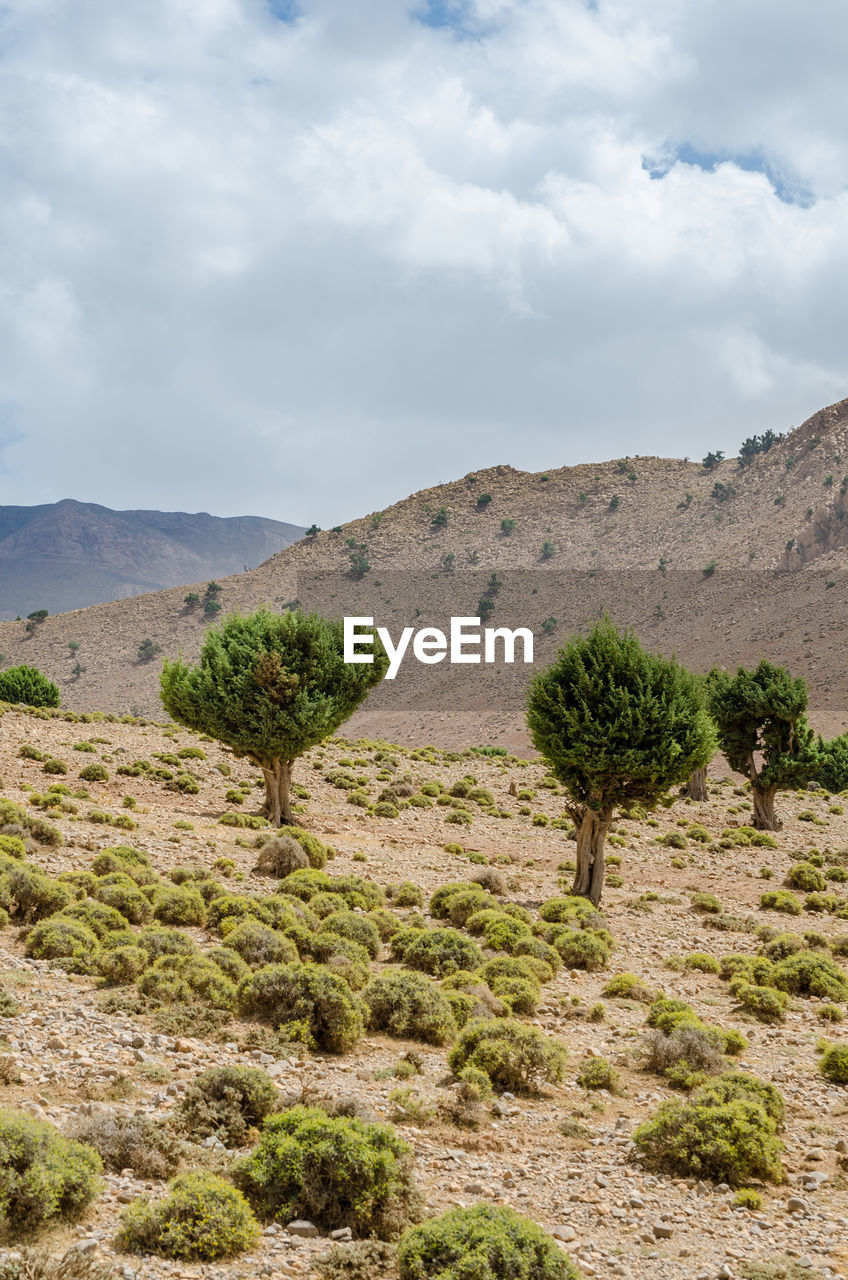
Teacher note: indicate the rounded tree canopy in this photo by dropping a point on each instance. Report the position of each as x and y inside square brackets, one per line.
[764, 711]
[270, 685]
[27, 684]
[618, 724]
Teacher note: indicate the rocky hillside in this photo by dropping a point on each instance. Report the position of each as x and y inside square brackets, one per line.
[719, 564]
[66, 555]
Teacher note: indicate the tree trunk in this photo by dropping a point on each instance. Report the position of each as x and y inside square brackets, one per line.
[277, 807]
[765, 818]
[696, 787]
[591, 834]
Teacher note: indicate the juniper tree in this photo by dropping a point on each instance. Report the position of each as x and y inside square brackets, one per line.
[270, 686]
[26, 684]
[763, 732]
[617, 726]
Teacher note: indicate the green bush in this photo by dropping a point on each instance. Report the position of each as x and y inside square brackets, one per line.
[513, 1055]
[120, 966]
[94, 773]
[334, 1171]
[200, 1219]
[811, 974]
[101, 919]
[31, 895]
[467, 903]
[308, 995]
[733, 1142]
[806, 877]
[501, 932]
[358, 929]
[229, 962]
[703, 962]
[178, 904]
[485, 1242]
[27, 685]
[628, 986]
[227, 1102]
[67, 940]
[598, 1073]
[157, 942]
[438, 951]
[780, 900]
[707, 903]
[187, 979]
[132, 862]
[409, 1006]
[520, 996]
[579, 949]
[834, 1063]
[406, 894]
[764, 1003]
[43, 1176]
[734, 1085]
[259, 945]
[441, 900]
[121, 892]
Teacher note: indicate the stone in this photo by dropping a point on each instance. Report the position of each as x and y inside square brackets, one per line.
[796, 1205]
[564, 1233]
[662, 1230]
[300, 1227]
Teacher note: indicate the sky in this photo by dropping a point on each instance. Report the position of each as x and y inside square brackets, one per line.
[301, 259]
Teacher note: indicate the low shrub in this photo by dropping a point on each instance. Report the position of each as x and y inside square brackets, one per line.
[308, 996]
[357, 928]
[406, 894]
[780, 900]
[258, 944]
[356, 1260]
[69, 941]
[580, 949]
[627, 986]
[29, 896]
[187, 979]
[409, 1006]
[834, 1064]
[121, 892]
[439, 951]
[134, 1142]
[806, 877]
[484, 1242]
[119, 966]
[810, 973]
[732, 1086]
[764, 1003]
[513, 1055]
[227, 1102]
[335, 1171]
[703, 962]
[200, 1219]
[43, 1176]
[279, 856]
[598, 1073]
[733, 1142]
[178, 904]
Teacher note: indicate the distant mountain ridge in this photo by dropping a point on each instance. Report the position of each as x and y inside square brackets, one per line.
[67, 555]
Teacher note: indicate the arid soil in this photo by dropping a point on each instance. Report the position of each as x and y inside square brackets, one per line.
[565, 1157]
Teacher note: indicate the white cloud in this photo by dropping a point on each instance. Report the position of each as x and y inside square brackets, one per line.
[302, 268]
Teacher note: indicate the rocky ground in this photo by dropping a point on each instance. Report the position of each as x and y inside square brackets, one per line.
[564, 1158]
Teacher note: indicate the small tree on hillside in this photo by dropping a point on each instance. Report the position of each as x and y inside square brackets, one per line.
[27, 684]
[696, 785]
[618, 726]
[763, 731]
[270, 686]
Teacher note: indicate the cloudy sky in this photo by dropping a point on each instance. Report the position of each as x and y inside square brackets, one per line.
[300, 259]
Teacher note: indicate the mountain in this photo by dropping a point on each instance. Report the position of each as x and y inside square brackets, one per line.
[721, 564]
[65, 555]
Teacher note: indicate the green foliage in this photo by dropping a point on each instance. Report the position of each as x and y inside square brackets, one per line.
[43, 1176]
[628, 986]
[67, 940]
[305, 994]
[120, 966]
[616, 724]
[780, 900]
[733, 1141]
[809, 973]
[763, 711]
[766, 1004]
[832, 771]
[357, 1260]
[270, 686]
[436, 951]
[201, 1218]
[136, 1142]
[227, 1102]
[409, 1006]
[513, 1055]
[94, 773]
[834, 1064]
[806, 877]
[121, 892]
[598, 1073]
[580, 949]
[734, 1085]
[258, 944]
[180, 905]
[355, 927]
[27, 685]
[485, 1242]
[187, 979]
[334, 1171]
[28, 895]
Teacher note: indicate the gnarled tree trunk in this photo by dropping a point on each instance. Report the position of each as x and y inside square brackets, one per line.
[696, 787]
[765, 818]
[277, 807]
[591, 834]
